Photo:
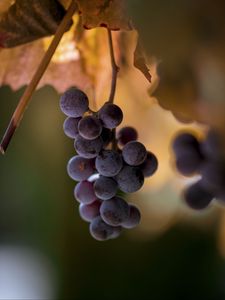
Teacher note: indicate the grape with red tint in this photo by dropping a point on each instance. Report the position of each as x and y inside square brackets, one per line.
[80, 168]
[84, 192]
[89, 212]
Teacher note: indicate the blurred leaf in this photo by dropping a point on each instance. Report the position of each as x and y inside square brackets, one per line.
[140, 61]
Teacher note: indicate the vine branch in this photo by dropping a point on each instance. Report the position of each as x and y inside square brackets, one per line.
[26, 97]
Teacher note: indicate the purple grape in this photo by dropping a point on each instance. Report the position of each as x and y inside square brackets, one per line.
[108, 163]
[130, 179]
[106, 136]
[197, 197]
[105, 188]
[150, 165]
[84, 192]
[114, 211]
[89, 212]
[133, 219]
[80, 168]
[183, 140]
[88, 148]
[99, 230]
[90, 127]
[70, 127]
[74, 103]
[111, 115]
[127, 134]
[134, 153]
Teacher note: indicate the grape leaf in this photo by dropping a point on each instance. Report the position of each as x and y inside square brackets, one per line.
[106, 13]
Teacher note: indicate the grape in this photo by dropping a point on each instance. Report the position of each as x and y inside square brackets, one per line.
[84, 192]
[108, 163]
[89, 211]
[106, 136]
[114, 211]
[150, 165]
[134, 153]
[100, 230]
[105, 188]
[88, 148]
[213, 176]
[80, 168]
[133, 219]
[184, 140]
[211, 146]
[197, 197]
[89, 127]
[74, 103]
[127, 134]
[70, 127]
[111, 115]
[116, 232]
[130, 179]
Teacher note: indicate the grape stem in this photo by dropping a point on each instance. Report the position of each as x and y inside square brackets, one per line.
[115, 68]
[26, 97]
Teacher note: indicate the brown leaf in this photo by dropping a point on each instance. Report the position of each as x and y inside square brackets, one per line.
[140, 61]
[106, 13]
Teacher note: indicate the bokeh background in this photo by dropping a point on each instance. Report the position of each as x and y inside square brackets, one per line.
[46, 251]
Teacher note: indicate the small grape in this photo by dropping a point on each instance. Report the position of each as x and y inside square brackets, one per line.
[197, 197]
[150, 165]
[111, 115]
[134, 153]
[70, 127]
[89, 211]
[99, 230]
[114, 211]
[108, 163]
[130, 179]
[88, 148]
[84, 192]
[133, 219]
[183, 140]
[74, 103]
[80, 168]
[127, 134]
[105, 188]
[90, 127]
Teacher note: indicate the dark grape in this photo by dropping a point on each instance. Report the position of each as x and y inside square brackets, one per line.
[84, 192]
[108, 163]
[127, 134]
[150, 165]
[111, 115]
[89, 211]
[213, 176]
[197, 197]
[90, 127]
[105, 188]
[99, 230]
[74, 103]
[106, 136]
[80, 168]
[183, 140]
[70, 127]
[133, 219]
[114, 211]
[134, 153]
[130, 179]
[212, 146]
[88, 148]
[116, 232]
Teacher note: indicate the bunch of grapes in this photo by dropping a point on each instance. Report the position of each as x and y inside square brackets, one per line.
[105, 165]
[205, 158]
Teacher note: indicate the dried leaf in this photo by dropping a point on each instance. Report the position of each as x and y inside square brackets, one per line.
[140, 61]
[106, 13]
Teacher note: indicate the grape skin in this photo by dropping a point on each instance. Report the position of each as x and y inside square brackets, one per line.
[80, 168]
[133, 219]
[111, 115]
[114, 211]
[150, 165]
[70, 127]
[130, 179]
[89, 127]
[99, 230]
[89, 212]
[74, 103]
[127, 134]
[105, 188]
[134, 153]
[84, 192]
[88, 148]
[108, 163]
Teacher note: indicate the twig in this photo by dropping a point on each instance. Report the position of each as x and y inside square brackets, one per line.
[25, 99]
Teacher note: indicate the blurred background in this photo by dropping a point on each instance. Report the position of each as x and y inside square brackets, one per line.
[46, 251]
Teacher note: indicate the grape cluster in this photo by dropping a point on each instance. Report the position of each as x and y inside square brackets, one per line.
[205, 158]
[106, 164]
